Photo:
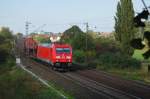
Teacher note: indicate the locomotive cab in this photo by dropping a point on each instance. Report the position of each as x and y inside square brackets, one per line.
[63, 56]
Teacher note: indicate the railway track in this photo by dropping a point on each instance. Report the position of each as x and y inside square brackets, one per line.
[127, 86]
[97, 88]
[78, 91]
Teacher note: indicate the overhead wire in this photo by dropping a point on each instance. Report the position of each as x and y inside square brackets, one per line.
[144, 4]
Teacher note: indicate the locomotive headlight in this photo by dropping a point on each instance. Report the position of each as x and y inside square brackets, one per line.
[57, 57]
[68, 57]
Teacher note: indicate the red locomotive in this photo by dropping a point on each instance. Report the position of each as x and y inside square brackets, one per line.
[57, 54]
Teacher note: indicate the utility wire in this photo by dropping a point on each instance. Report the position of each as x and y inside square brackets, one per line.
[145, 5]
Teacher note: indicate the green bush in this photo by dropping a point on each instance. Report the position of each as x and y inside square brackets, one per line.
[90, 55]
[7, 65]
[17, 84]
[116, 60]
[79, 56]
[103, 45]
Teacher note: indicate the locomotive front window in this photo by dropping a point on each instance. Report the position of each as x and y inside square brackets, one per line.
[62, 50]
[67, 50]
[59, 50]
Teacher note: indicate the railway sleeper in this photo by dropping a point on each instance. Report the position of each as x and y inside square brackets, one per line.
[62, 66]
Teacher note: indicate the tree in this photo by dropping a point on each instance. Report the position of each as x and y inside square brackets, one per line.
[118, 23]
[6, 38]
[93, 34]
[72, 31]
[42, 39]
[5, 32]
[124, 25]
[77, 38]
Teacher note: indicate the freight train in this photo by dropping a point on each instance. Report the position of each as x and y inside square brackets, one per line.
[59, 55]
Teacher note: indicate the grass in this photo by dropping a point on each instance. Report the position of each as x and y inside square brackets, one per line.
[61, 90]
[17, 84]
[138, 54]
[128, 73]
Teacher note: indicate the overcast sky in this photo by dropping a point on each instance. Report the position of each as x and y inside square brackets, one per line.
[59, 15]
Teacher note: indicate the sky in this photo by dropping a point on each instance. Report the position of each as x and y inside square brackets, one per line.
[59, 15]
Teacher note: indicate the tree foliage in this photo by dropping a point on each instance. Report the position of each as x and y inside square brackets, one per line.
[77, 38]
[42, 39]
[118, 23]
[6, 38]
[124, 26]
[103, 45]
[5, 32]
[74, 30]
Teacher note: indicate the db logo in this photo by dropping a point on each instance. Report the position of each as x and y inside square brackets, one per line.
[63, 56]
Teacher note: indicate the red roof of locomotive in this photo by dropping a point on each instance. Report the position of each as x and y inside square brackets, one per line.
[61, 45]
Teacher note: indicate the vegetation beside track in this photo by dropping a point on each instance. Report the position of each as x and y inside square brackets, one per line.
[68, 94]
[17, 84]
[14, 82]
[104, 54]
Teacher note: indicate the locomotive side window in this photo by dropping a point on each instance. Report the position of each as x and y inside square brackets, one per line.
[62, 50]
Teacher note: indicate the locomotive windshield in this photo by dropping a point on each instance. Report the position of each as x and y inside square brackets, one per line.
[62, 50]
